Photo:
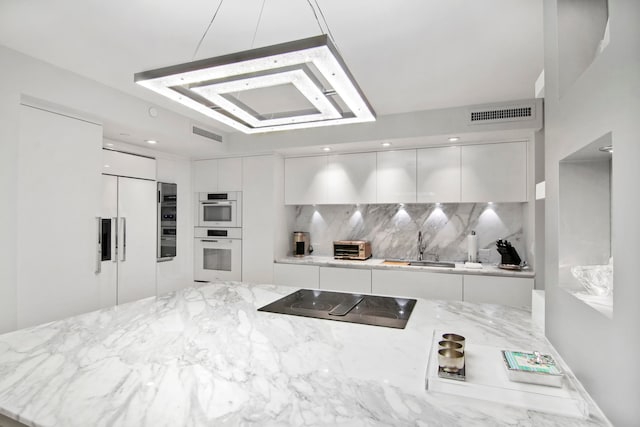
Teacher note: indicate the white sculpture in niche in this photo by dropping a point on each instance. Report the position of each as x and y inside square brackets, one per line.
[597, 279]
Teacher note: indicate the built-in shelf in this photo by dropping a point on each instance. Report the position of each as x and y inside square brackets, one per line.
[585, 225]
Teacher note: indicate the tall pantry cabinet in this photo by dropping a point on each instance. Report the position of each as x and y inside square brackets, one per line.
[59, 163]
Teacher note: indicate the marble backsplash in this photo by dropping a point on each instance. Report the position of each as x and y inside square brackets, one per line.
[393, 229]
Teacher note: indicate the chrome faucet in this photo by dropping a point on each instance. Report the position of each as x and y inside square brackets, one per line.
[421, 246]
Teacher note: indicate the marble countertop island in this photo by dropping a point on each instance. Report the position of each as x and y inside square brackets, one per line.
[204, 356]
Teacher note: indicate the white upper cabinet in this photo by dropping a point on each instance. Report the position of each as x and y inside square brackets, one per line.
[396, 176]
[304, 180]
[472, 173]
[130, 165]
[230, 174]
[217, 175]
[205, 176]
[351, 178]
[494, 172]
[438, 174]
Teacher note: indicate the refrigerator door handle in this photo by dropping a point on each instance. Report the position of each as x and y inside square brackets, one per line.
[124, 239]
[98, 269]
[114, 221]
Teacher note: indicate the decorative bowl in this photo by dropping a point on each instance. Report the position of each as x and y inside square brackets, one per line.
[597, 279]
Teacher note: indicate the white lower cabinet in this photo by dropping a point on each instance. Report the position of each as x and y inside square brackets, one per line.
[513, 291]
[345, 279]
[417, 284]
[296, 275]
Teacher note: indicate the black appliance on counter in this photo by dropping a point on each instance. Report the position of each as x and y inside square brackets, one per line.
[508, 253]
[167, 221]
[345, 307]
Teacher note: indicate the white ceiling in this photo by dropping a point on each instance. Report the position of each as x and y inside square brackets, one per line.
[407, 55]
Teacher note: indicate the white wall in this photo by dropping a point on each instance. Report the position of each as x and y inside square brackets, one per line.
[9, 133]
[447, 121]
[25, 76]
[603, 99]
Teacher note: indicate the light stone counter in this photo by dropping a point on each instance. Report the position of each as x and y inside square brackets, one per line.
[371, 263]
[204, 356]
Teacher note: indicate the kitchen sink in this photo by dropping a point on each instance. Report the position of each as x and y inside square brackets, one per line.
[442, 264]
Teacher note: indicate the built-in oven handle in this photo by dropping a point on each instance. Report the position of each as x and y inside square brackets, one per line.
[215, 203]
[124, 239]
[99, 248]
[210, 241]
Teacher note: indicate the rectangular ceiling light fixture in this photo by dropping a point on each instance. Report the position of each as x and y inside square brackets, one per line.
[306, 79]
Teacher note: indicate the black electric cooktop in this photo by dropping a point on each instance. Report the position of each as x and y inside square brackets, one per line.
[345, 307]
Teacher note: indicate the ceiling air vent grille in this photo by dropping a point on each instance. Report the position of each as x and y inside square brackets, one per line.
[501, 113]
[507, 113]
[206, 134]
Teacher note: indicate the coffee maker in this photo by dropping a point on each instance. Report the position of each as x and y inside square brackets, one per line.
[301, 245]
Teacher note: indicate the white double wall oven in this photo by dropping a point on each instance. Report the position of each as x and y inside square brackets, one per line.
[218, 237]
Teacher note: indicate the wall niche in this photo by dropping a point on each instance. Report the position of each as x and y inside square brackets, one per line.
[586, 262]
[582, 34]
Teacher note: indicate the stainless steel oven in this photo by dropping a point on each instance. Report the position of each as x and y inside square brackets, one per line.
[167, 221]
[217, 254]
[219, 209]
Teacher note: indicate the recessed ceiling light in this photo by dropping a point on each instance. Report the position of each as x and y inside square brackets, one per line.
[326, 149]
[386, 144]
[151, 141]
[107, 166]
[454, 139]
[108, 144]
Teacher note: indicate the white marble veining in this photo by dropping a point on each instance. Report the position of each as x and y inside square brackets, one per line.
[204, 356]
[377, 263]
[393, 228]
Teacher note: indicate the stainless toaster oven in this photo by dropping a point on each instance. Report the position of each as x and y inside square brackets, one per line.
[352, 249]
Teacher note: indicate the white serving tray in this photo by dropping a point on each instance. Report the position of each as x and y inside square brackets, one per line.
[487, 379]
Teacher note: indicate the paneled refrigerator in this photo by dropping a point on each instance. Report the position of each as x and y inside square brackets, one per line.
[126, 255]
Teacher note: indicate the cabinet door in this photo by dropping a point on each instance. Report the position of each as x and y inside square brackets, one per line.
[396, 176]
[131, 165]
[354, 280]
[230, 174]
[304, 181]
[296, 275]
[258, 219]
[438, 175]
[351, 178]
[205, 176]
[59, 161]
[494, 172]
[513, 291]
[137, 239]
[417, 284]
